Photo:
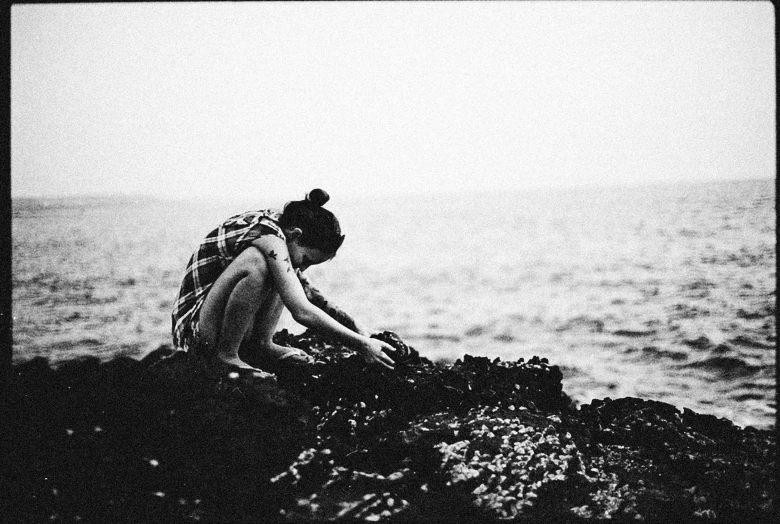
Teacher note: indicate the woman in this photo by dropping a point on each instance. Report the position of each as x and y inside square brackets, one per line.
[246, 271]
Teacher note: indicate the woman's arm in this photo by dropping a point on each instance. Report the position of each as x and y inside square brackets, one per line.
[316, 297]
[291, 292]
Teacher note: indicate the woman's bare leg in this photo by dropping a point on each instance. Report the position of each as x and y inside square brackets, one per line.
[259, 339]
[231, 306]
[259, 343]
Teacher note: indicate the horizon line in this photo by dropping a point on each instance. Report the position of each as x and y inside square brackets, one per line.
[402, 193]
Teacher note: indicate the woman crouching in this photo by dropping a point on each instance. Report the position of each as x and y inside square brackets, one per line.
[246, 271]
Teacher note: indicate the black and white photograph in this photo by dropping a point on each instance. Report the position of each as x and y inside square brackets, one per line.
[392, 261]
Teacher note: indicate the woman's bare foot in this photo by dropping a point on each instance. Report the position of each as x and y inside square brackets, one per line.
[232, 361]
[273, 357]
[277, 353]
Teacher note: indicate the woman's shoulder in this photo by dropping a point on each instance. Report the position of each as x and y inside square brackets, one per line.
[263, 222]
[242, 229]
[255, 216]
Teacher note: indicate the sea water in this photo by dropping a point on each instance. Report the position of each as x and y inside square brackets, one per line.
[663, 292]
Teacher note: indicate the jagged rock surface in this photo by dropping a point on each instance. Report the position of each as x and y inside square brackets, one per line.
[156, 439]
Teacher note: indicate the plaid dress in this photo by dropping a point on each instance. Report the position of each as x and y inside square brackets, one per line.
[216, 251]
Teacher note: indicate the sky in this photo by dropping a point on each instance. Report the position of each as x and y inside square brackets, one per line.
[228, 100]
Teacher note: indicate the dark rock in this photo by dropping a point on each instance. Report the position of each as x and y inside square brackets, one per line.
[158, 354]
[403, 354]
[164, 438]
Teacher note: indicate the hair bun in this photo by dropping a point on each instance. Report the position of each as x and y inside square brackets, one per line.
[318, 197]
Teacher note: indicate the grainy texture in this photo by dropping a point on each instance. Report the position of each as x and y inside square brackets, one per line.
[158, 439]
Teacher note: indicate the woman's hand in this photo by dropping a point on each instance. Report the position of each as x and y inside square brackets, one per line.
[304, 281]
[373, 354]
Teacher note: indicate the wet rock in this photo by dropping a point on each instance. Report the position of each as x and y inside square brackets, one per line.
[163, 438]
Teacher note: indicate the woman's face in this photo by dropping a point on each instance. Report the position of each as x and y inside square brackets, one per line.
[302, 257]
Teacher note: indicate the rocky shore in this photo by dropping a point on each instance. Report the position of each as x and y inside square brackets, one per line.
[160, 439]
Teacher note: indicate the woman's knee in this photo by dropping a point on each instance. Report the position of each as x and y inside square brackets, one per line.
[244, 274]
[253, 270]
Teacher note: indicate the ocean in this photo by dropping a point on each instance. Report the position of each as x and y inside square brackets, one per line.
[664, 292]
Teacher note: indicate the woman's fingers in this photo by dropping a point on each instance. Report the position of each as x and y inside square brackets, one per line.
[384, 359]
[375, 355]
[301, 277]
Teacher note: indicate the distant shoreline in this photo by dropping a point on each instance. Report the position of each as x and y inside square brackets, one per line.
[146, 197]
